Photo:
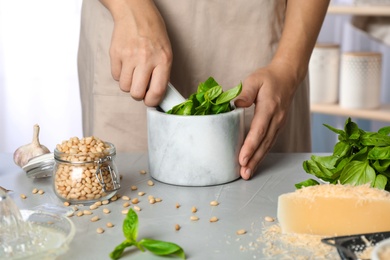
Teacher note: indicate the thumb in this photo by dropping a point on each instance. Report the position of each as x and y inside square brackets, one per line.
[247, 97]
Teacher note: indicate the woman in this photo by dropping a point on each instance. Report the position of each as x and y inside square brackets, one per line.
[141, 45]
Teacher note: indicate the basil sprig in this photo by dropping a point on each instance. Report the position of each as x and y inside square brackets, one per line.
[157, 247]
[359, 157]
[209, 99]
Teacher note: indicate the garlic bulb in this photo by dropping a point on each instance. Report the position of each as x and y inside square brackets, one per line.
[24, 153]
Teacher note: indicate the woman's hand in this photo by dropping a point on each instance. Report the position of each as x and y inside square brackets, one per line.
[140, 51]
[271, 90]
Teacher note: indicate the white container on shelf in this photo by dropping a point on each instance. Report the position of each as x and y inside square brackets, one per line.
[360, 80]
[324, 69]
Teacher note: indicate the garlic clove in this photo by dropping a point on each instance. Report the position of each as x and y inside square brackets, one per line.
[24, 153]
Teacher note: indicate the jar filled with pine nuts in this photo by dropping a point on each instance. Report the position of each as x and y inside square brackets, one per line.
[85, 170]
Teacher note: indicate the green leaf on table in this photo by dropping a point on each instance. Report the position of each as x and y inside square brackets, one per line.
[130, 231]
[158, 247]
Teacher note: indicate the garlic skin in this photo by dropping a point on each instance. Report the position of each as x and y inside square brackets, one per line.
[24, 153]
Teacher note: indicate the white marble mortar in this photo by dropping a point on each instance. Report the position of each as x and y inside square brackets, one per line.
[195, 150]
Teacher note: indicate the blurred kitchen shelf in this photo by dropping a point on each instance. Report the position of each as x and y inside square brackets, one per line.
[380, 114]
[360, 9]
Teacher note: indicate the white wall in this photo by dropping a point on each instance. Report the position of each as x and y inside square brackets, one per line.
[38, 71]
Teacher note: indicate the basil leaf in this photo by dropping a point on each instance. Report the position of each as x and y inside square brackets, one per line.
[307, 183]
[162, 248]
[382, 166]
[380, 181]
[352, 130]
[337, 131]
[375, 139]
[130, 226]
[118, 251]
[379, 153]
[208, 84]
[384, 130]
[357, 173]
[221, 108]
[213, 93]
[320, 166]
[229, 95]
[341, 149]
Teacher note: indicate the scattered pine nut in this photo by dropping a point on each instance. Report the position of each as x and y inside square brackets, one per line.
[125, 211]
[125, 197]
[150, 183]
[109, 225]
[269, 219]
[194, 209]
[95, 218]
[79, 214]
[134, 187]
[177, 227]
[98, 203]
[35, 190]
[141, 193]
[158, 199]
[87, 212]
[142, 172]
[213, 219]
[99, 230]
[241, 232]
[40, 192]
[194, 218]
[106, 211]
[150, 197]
[177, 205]
[135, 201]
[93, 206]
[23, 196]
[75, 208]
[114, 198]
[137, 208]
[105, 202]
[66, 203]
[126, 204]
[152, 201]
[214, 203]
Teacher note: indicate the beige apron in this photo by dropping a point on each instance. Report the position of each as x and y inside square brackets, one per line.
[225, 39]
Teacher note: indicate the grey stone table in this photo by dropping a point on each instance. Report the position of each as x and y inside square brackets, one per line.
[243, 205]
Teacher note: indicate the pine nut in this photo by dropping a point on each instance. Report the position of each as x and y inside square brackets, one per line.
[109, 225]
[40, 192]
[105, 202]
[213, 219]
[125, 198]
[23, 196]
[114, 198]
[66, 203]
[194, 209]
[177, 205]
[135, 201]
[269, 219]
[158, 199]
[150, 197]
[137, 208]
[95, 218]
[98, 203]
[152, 201]
[93, 206]
[142, 172]
[79, 213]
[150, 183]
[35, 190]
[125, 211]
[99, 230]
[241, 232]
[141, 193]
[177, 227]
[106, 211]
[87, 212]
[194, 218]
[214, 203]
[134, 187]
[126, 204]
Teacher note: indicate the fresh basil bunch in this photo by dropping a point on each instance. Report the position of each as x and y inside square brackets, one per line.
[157, 247]
[209, 99]
[358, 158]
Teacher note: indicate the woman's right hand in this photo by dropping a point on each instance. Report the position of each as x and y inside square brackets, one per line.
[140, 52]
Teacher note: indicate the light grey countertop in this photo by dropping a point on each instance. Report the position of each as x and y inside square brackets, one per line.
[243, 205]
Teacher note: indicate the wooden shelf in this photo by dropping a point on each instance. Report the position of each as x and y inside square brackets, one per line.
[375, 10]
[381, 114]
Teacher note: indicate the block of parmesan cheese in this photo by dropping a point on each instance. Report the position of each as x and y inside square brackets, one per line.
[334, 210]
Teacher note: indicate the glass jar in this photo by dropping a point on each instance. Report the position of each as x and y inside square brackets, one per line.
[86, 177]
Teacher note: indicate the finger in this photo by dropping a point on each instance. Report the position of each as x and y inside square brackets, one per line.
[157, 87]
[248, 95]
[116, 66]
[140, 82]
[126, 77]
